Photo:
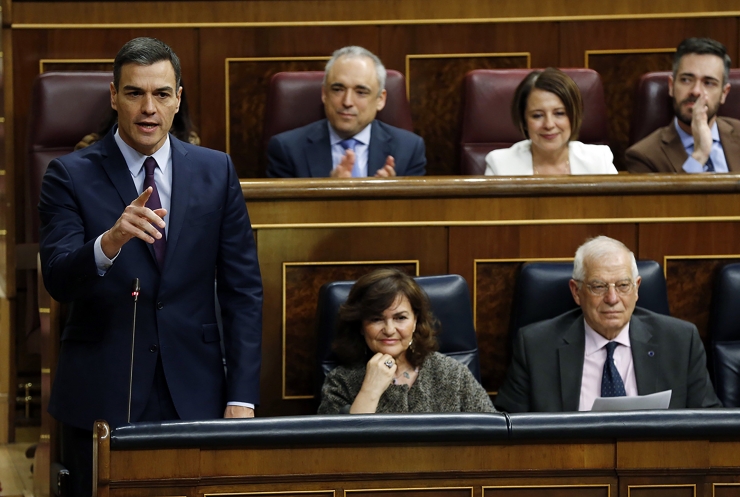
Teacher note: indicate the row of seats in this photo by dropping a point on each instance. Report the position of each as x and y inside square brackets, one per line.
[294, 100]
[67, 106]
[541, 293]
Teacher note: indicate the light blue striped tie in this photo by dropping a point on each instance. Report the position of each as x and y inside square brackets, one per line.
[350, 144]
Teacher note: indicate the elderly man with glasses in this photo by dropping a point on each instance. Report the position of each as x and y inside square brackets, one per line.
[607, 348]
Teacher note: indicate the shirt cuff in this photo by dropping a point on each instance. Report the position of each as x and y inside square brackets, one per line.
[693, 166]
[242, 404]
[101, 261]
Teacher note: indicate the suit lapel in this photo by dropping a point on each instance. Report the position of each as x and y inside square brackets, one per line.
[115, 167]
[673, 148]
[117, 170]
[570, 357]
[730, 139]
[379, 149]
[318, 151]
[182, 173]
[645, 356]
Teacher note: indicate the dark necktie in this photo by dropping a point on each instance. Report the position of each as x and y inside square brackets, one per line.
[709, 165]
[611, 382]
[154, 203]
[350, 144]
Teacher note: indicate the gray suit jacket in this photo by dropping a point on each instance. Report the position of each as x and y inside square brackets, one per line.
[662, 150]
[547, 364]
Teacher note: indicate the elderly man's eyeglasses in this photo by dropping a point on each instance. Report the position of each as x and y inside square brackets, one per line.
[599, 288]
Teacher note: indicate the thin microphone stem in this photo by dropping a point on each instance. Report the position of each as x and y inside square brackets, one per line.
[135, 288]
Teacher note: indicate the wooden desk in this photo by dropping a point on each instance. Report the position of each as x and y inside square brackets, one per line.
[483, 462]
[313, 231]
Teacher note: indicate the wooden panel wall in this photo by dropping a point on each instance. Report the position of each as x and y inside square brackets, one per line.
[434, 56]
[306, 238]
[433, 42]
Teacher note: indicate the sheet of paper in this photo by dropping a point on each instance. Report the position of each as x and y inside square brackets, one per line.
[659, 400]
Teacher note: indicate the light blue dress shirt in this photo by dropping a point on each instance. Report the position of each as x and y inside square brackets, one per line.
[717, 155]
[362, 149]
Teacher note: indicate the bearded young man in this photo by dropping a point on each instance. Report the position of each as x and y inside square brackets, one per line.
[697, 140]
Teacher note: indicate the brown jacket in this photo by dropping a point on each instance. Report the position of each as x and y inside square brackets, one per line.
[663, 152]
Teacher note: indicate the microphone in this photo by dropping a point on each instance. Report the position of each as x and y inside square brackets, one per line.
[135, 289]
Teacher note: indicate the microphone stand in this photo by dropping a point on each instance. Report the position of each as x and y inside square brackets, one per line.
[135, 289]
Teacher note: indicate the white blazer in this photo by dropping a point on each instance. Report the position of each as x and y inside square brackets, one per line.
[517, 160]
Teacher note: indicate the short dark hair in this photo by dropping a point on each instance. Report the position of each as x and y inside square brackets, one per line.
[145, 52]
[372, 294]
[557, 82]
[702, 46]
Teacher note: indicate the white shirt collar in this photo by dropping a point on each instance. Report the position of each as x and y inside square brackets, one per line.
[362, 137]
[135, 160]
[596, 341]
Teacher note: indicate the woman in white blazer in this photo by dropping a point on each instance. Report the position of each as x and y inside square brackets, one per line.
[548, 109]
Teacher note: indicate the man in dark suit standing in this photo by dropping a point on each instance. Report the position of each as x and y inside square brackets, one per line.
[697, 140]
[142, 204]
[607, 348]
[349, 142]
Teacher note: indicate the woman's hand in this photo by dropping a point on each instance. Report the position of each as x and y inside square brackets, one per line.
[378, 377]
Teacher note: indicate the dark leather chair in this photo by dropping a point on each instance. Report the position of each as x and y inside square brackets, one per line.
[294, 100]
[486, 122]
[65, 107]
[724, 335]
[542, 292]
[450, 299]
[653, 107]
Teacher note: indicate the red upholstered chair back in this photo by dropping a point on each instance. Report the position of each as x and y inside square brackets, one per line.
[65, 106]
[486, 117]
[294, 100]
[653, 107]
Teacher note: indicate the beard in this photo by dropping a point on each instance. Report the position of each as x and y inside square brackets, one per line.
[685, 117]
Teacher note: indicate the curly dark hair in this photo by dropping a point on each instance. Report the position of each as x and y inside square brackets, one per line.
[372, 294]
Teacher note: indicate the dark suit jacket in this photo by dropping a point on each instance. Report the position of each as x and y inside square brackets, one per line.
[662, 150]
[209, 238]
[547, 364]
[305, 152]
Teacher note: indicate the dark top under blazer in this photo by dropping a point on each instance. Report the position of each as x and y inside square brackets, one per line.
[209, 237]
[547, 364]
[305, 152]
[662, 150]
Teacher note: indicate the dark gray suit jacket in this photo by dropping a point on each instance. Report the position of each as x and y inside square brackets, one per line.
[547, 364]
[662, 150]
[305, 152]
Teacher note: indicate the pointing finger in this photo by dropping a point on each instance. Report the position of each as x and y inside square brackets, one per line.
[142, 199]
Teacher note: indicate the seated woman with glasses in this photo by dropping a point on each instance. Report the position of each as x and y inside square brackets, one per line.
[386, 346]
[548, 110]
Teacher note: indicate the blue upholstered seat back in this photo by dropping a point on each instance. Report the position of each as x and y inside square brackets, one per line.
[450, 299]
[542, 291]
[724, 333]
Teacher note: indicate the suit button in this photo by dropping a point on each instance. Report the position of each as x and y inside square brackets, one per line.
[153, 347]
[160, 305]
